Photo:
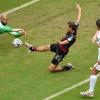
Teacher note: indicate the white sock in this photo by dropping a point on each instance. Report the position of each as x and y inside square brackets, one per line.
[93, 79]
[98, 54]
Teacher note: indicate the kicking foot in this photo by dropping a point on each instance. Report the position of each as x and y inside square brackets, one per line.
[69, 67]
[30, 47]
[87, 94]
[69, 64]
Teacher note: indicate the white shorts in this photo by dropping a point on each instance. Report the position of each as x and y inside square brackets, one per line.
[97, 67]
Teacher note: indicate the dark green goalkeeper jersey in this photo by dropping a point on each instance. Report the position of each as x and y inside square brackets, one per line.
[7, 29]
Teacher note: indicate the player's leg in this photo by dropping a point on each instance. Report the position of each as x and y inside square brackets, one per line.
[94, 73]
[39, 48]
[43, 48]
[54, 67]
[93, 79]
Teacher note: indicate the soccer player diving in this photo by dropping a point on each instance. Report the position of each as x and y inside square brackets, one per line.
[4, 28]
[96, 69]
[61, 48]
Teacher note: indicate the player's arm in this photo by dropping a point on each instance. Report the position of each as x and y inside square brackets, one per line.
[4, 29]
[78, 7]
[94, 38]
[66, 41]
[63, 42]
[17, 30]
[9, 29]
[22, 31]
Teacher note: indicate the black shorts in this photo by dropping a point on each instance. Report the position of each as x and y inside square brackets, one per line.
[58, 56]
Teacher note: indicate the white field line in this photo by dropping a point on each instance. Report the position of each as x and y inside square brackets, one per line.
[20, 7]
[67, 89]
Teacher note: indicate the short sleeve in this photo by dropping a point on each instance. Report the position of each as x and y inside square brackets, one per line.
[70, 38]
[4, 29]
[16, 34]
[8, 29]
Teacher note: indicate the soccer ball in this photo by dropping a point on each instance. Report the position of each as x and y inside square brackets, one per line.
[17, 43]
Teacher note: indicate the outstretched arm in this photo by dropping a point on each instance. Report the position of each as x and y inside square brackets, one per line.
[63, 42]
[23, 32]
[78, 7]
[66, 41]
[17, 30]
[94, 38]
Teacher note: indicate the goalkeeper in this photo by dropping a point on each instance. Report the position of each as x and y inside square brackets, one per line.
[4, 28]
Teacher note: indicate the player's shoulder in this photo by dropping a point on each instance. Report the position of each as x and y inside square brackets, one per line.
[98, 32]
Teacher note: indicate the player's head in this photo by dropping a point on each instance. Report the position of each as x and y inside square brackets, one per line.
[4, 19]
[71, 26]
[98, 24]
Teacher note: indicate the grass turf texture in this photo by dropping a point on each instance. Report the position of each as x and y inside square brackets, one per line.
[25, 76]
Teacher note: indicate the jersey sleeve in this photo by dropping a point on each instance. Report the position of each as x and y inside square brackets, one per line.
[4, 29]
[16, 34]
[71, 38]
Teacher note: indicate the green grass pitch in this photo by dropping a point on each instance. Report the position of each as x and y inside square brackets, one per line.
[25, 76]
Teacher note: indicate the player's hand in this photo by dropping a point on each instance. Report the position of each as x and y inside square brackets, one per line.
[23, 32]
[78, 7]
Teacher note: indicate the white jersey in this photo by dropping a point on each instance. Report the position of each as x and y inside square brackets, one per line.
[98, 42]
[98, 37]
